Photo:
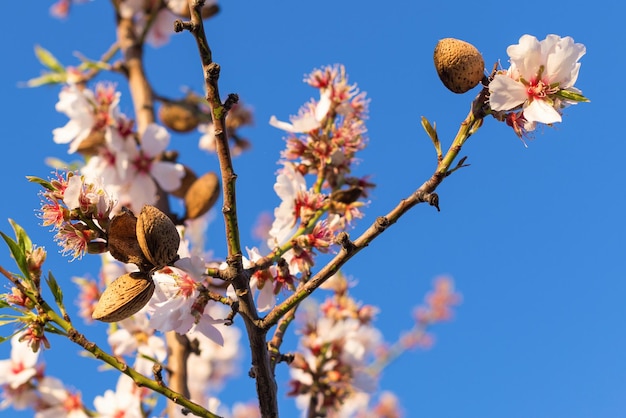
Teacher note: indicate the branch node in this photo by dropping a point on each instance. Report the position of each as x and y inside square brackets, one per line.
[234, 309]
[343, 239]
[382, 222]
[231, 100]
[212, 72]
[158, 376]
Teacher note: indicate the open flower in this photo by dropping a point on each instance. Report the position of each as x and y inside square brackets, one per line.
[540, 80]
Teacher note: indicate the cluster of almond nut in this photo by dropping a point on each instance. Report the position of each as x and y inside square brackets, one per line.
[151, 242]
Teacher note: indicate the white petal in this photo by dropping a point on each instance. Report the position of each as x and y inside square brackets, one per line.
[66, 133]
[154, 140]
[526, 57]
[322, 108]
[142, 191]
[506, 93]
[542, 112]
[167, 174]
[281, 125]
[266, 299]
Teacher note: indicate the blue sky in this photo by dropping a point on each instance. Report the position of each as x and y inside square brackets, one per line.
[533, 237]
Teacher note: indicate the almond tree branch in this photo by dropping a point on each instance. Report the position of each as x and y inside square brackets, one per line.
[46, 311]
[140, 90]
[425, 193]
[261, 368]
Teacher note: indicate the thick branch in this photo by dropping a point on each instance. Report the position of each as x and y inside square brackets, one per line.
[132, 53]
[261, 368]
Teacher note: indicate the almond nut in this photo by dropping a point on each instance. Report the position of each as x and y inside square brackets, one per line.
[202, 195]
[124, 297]
[459, 64]
[157, 236]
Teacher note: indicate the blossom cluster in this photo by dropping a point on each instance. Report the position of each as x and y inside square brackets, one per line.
[539, 84]
[130, 167]
[322, 143]
[78, 211]
[330, 372]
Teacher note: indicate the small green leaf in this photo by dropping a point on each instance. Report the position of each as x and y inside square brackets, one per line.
[45, 183]
[432, 133]
[54, 330]
[18, 255]
[55, 289]
[4, 303]
[3, 339]
[572, 95]
[7, 322]
[59, 164]
[47, 79]
[23, 240]
[46, 58]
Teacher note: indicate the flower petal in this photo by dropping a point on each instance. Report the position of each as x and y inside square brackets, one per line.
[154, 140]
[541, 111]
[168, 175]
[506, 93]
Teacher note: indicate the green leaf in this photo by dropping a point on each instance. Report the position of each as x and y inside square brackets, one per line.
[7, 322]
[23, 240]
[59, 164]
[572, 95]
[432, 133]
[18, 255]
[46, 58]
[44, 183]
[4, 303]
[3, 339]
[55, 289]
[47, 79]
[54, 330]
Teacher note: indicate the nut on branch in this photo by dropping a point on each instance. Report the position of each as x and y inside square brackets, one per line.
[179, 116]
[157, 237]
[202, 195]
[459, 64]
[124, 297]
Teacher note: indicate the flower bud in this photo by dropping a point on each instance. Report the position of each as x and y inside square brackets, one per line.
[459, 64]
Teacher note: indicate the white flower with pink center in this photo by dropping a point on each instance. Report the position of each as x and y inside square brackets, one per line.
[143, 172]
[15, 375]
[261, 283]
[21, 367]
[78, 106]
[59, 401]
[174, 304]
[540, 80]
[135, 336]
[288, 183]
[124, 402]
